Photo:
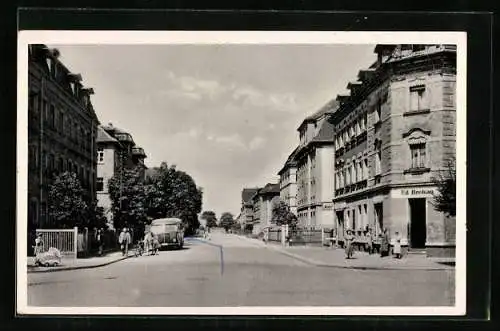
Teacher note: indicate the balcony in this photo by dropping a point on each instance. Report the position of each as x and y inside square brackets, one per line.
[124, 137]
[138, 152]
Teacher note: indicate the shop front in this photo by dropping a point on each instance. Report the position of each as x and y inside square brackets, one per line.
[410, 214]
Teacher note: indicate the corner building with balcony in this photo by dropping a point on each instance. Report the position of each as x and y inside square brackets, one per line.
[116, 150]
[393, 134]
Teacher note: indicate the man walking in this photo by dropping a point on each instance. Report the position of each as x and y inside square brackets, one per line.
[124, 241]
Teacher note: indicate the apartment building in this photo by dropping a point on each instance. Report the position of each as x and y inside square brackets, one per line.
[263, 201]
[393, 134]
[314, 159]
[288, 182]
[116, 150]
[62, 130]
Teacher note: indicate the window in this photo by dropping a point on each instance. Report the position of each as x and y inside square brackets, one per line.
[378, 111]
[417, 155]
[360, 171]
[417, 98]
[365, 169]
[52, 115]
[358, 127]
[100, 184]
[378, 158]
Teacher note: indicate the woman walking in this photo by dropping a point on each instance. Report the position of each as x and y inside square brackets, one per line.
[384, 245]
[349, 238]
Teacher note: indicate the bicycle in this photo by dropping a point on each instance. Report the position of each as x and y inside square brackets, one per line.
[139, 249]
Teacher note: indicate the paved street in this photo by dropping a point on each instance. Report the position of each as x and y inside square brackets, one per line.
[242, 273]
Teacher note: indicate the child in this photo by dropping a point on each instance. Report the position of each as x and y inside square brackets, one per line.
[397, 245]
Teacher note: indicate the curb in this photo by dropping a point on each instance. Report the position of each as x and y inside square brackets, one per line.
[91, 266]
[329, 265]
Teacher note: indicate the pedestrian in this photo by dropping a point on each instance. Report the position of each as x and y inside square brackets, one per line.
[38, 248]
[148, 242]
[384, 244]
[124, 241]
[397, 245]
[369, 242]
[348, 240]
[266, 235]
[100, 242]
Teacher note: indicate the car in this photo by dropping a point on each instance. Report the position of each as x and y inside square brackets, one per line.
[168, 231]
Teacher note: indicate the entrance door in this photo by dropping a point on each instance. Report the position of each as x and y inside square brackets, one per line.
[379, 218]
[340, 224]
[418, 223]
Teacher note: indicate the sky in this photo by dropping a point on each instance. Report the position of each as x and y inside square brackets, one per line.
[225, 114]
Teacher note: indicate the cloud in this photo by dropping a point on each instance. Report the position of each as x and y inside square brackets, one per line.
[256, 143]
[233, 140]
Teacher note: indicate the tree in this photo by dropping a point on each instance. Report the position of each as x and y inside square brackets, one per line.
[173, 193]
[226, 220]
[127, 193]
[67, 207]
[210, 217]
[446, 181]
[96, 217]
[281, 214]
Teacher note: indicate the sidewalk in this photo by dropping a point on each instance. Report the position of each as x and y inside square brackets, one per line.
[81, 263]
[335, 258]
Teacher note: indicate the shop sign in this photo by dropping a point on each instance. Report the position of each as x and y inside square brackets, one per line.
[416, 192]
[327, 206]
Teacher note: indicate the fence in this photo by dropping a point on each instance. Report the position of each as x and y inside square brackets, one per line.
[274, 234]
[65, 240]
[300, 236]
[87, 241]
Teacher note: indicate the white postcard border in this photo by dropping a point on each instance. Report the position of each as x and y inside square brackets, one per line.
[238, 37]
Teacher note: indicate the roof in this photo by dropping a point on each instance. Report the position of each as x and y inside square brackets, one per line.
[326, 133]
[172, 220]
[290, 161]
[248, 193]
[104, 137]
[329, 107]
[270, 189]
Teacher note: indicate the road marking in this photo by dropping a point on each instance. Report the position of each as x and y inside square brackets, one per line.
[221, 252]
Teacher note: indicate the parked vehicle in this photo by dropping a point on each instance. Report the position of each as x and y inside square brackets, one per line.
[168, 231]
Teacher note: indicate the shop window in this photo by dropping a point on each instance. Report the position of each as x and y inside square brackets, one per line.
[418, 155]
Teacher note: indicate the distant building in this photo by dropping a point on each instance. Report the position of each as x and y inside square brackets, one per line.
[288, 182]
[116, 150]
[315, 179]
[246, 211]
[393, 133]
[62, 130]
[263, 201]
